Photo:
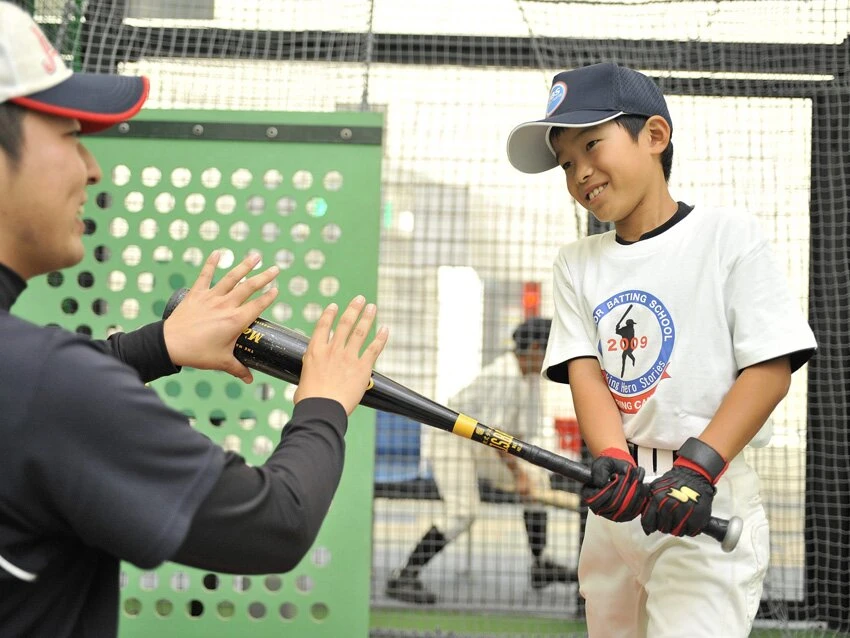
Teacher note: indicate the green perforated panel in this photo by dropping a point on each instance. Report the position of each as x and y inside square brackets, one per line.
[303, 190]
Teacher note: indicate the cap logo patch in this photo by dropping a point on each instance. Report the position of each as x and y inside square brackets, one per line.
[49, 62]
[556, 97]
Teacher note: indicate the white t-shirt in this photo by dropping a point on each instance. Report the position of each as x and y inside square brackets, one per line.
[673, 318]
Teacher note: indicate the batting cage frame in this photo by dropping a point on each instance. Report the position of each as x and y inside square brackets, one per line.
[823, 79]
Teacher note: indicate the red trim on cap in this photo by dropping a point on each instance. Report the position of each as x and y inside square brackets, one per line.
[89, 122]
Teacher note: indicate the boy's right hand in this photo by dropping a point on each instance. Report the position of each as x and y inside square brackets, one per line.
[333, 367]
[616, 490]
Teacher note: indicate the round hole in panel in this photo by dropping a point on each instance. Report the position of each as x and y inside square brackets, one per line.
[195, 204]
[123, 579]
[331, 233]
[164, 203]
[173, 388]
[241, 178]
[288, 611]
[111, 330]
[317, 207]
[270, 232]
[178, 230]
[69, 305]
[302, 180]
[321, 556]
[55, 279]
[203, 389]
[319, 611]
[239, 231]
[83, 330]
[100, 307]
[121, 175]
[328, 286]
[180, 177]
[262, 446]
[208, 230]
[119, 227]
[195, 608]
[273, 583]
[151, 176]
[116, 280]
[130, 308]
[304, 583]
[158, 307]
[132, 255]
[256, 205]
[298, 285]
[148, 581]
[180, 581]
[211, 177]
[103, 200]
[163, 607]
[233, 390]
[217, 418]
[289, 392]
[312, 311]
[257, 610]
[272, 178]
[278, 419]
[226, 258]
[286, 206]
[314, 259]
[132, 606]
[241, 583]
[134, 202]
[282, 312]
[332, 181]
[162, 255]
[102, 253]
[85, 279]
[148, 228]
[247, 420]
[210, 581]
[232, 443]
[283, 258]
[264, 392]
[225, 204]
[193, 256]
[145, 282]
[225, 610]
[89, 226]
[300, 232]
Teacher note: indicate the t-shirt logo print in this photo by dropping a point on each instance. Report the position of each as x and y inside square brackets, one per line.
[636, 335]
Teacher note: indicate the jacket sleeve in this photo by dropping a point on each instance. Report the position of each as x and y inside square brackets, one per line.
[143, 350]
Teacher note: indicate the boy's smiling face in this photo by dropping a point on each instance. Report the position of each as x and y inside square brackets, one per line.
[608, 172]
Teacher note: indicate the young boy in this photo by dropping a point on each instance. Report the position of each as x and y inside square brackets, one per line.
[95, 468]
[678, 337]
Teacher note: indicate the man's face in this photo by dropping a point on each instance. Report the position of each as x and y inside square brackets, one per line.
[41, 198]
[531, 360]
[606, 170]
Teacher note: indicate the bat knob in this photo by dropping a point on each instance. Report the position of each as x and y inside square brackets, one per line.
[733, 533]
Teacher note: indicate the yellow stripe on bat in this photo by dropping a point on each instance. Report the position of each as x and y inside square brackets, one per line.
[464, 426]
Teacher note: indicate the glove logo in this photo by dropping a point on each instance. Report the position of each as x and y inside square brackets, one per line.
[684, 494]
[636, 338]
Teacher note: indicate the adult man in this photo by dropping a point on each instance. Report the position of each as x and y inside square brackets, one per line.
[505, 394]
[95, 468]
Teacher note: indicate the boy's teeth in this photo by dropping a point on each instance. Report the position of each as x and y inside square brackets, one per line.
[595, 192]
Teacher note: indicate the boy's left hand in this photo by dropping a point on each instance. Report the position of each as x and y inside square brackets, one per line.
[680, 500]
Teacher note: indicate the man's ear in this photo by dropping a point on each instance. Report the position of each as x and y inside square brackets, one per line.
[658, 134]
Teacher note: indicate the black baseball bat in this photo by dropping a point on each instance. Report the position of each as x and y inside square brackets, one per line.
[278, 351]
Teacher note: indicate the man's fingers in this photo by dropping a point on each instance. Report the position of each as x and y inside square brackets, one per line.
[375, 348]
[254, 308]
[322, 330]
[362, 327]
[348, 319]
[232, 278]
[205, 277]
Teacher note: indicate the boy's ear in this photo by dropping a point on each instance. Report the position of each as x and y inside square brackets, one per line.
[658, 131]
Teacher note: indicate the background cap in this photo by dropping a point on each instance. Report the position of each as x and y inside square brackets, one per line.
[33, 75]
[580, 98]
[531, 331]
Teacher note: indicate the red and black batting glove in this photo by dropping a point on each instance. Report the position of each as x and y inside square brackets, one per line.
[616, 490]
[680, 500]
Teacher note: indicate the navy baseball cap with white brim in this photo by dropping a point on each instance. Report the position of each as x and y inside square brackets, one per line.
[33, 75]
[584, 97]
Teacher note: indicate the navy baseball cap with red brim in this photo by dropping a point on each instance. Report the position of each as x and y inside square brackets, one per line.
[34, 76]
